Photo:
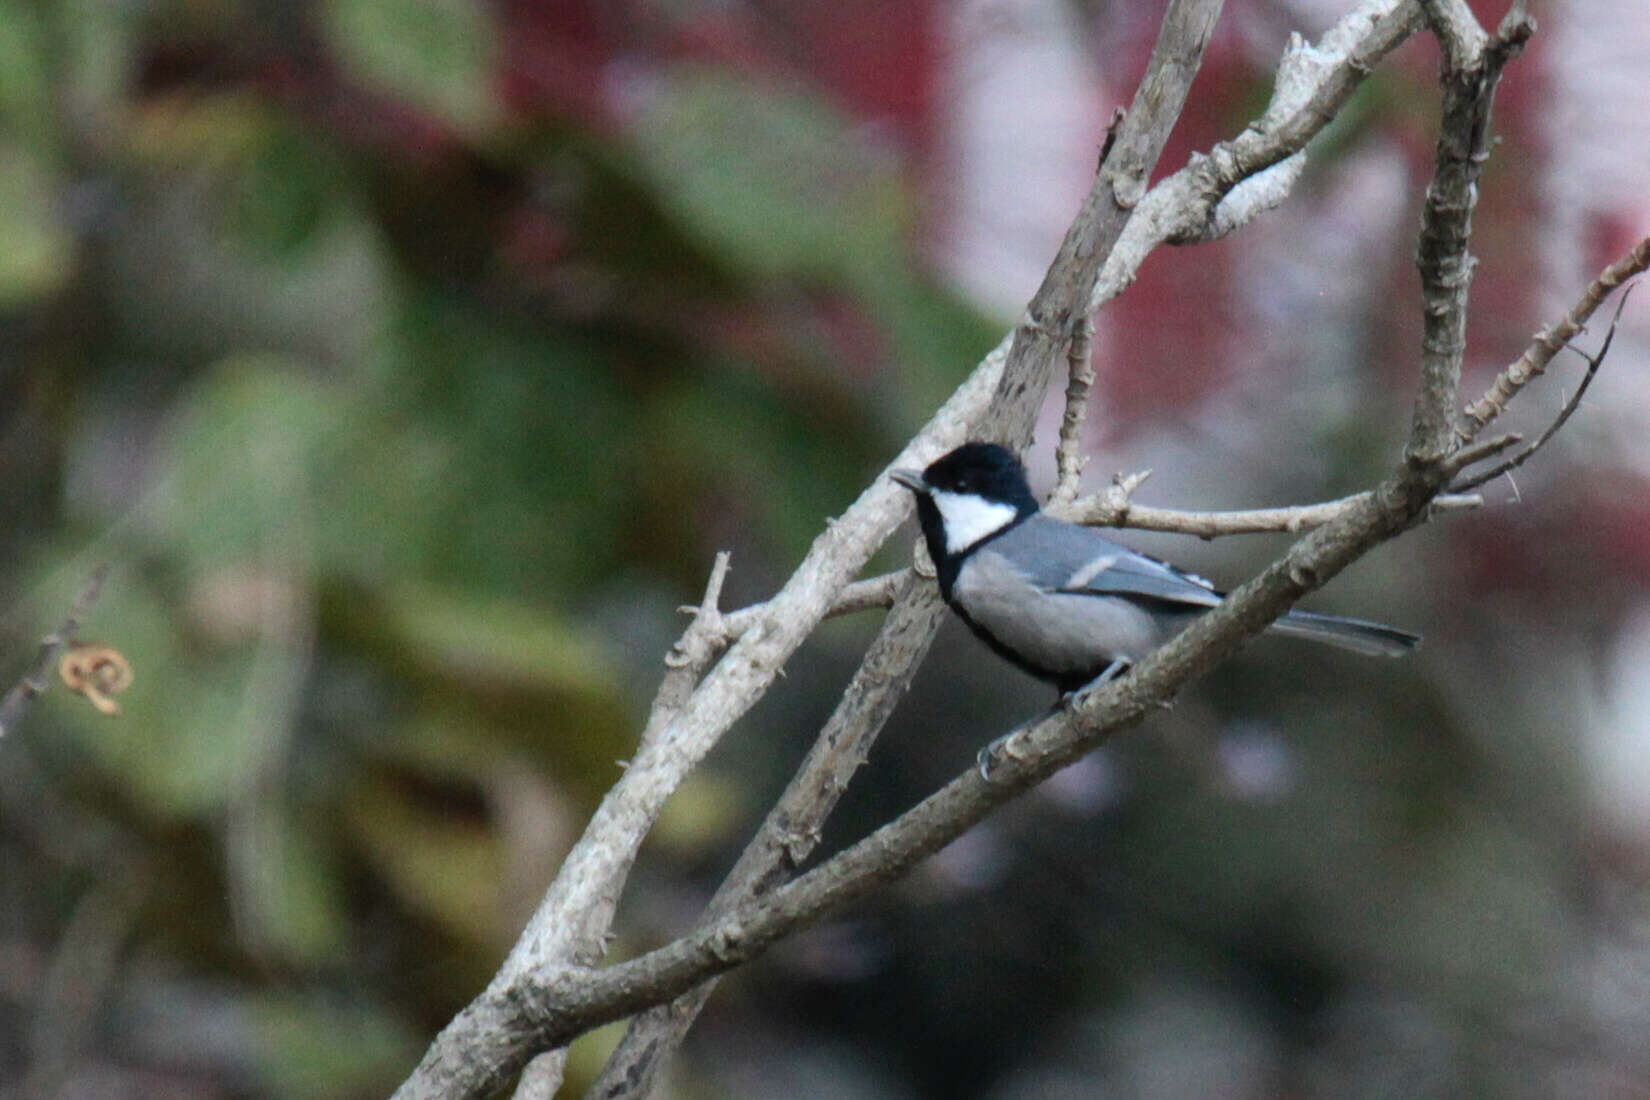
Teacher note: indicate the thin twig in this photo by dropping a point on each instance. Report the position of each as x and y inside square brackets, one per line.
[1593, 363]
[36, 679]
[1478, 452]
[1067, 295]
[1553, 339]
[1104, 510]
[865, 595]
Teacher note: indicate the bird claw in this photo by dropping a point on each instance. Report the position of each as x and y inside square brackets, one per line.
[1074, 700]
[989, 756]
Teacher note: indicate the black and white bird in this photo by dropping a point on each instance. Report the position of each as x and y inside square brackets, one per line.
[1061, 601]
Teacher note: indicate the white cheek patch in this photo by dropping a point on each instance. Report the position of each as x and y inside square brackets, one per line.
[969, 518]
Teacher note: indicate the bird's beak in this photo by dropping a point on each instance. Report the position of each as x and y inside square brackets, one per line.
[911, 479]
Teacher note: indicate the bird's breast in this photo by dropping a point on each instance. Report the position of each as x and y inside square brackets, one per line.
[1059, 633]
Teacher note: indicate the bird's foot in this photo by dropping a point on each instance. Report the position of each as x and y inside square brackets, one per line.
[989, 757]
[1074, 700]
[993, 754]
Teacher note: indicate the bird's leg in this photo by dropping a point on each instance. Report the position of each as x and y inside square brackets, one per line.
[988, 757]
[1073, 700]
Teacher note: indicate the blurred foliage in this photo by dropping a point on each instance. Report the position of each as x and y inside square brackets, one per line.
[435, 56]
[381, 390]
[411, 358]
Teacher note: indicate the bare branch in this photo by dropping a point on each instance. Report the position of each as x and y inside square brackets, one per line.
[1247, 200]
[1068, 451]
[590, 897]
[864, 595]
[1473, 62]
[1105, 510]
[37, 679]
[1570, 406]
[1553, 339]
[489, 1040]
[1313, 83]
[1458, 32]
[794, 825]
[568, 1002]
[1478, 452]
[1067, 295]
[1058, 314]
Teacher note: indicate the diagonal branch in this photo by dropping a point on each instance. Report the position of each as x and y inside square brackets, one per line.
[794, 825]
[1067, 295]
[1594, 361]
[1240, 178]
[1552, 340]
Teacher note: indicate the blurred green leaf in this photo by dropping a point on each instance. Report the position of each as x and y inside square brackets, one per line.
[701, 815]
[36, 251]
[327, 1047]
[435, 54]
[234, 235]
[484, 450]
[99, 46]
[772, 179]
[445, 866]
[241, 464]
[285, 190]
[25, 92]
[740, 443]
[495, 644]
[296, 903]
[497, 684]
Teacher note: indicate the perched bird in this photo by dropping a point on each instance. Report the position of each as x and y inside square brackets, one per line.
[1061, 601]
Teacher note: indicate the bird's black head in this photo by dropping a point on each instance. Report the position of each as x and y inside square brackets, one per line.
[965, 498]
[984, 470]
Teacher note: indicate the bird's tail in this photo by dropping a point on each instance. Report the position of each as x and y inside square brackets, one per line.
[1358, 635]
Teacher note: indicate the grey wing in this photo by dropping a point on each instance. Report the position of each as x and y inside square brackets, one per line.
[1063, 557]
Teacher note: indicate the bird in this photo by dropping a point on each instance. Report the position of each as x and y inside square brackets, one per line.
[1064, 602]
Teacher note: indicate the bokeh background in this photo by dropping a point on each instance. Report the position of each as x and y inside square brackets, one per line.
[410, 359]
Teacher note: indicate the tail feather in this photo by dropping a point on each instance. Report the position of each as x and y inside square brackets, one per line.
[1358, 635]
